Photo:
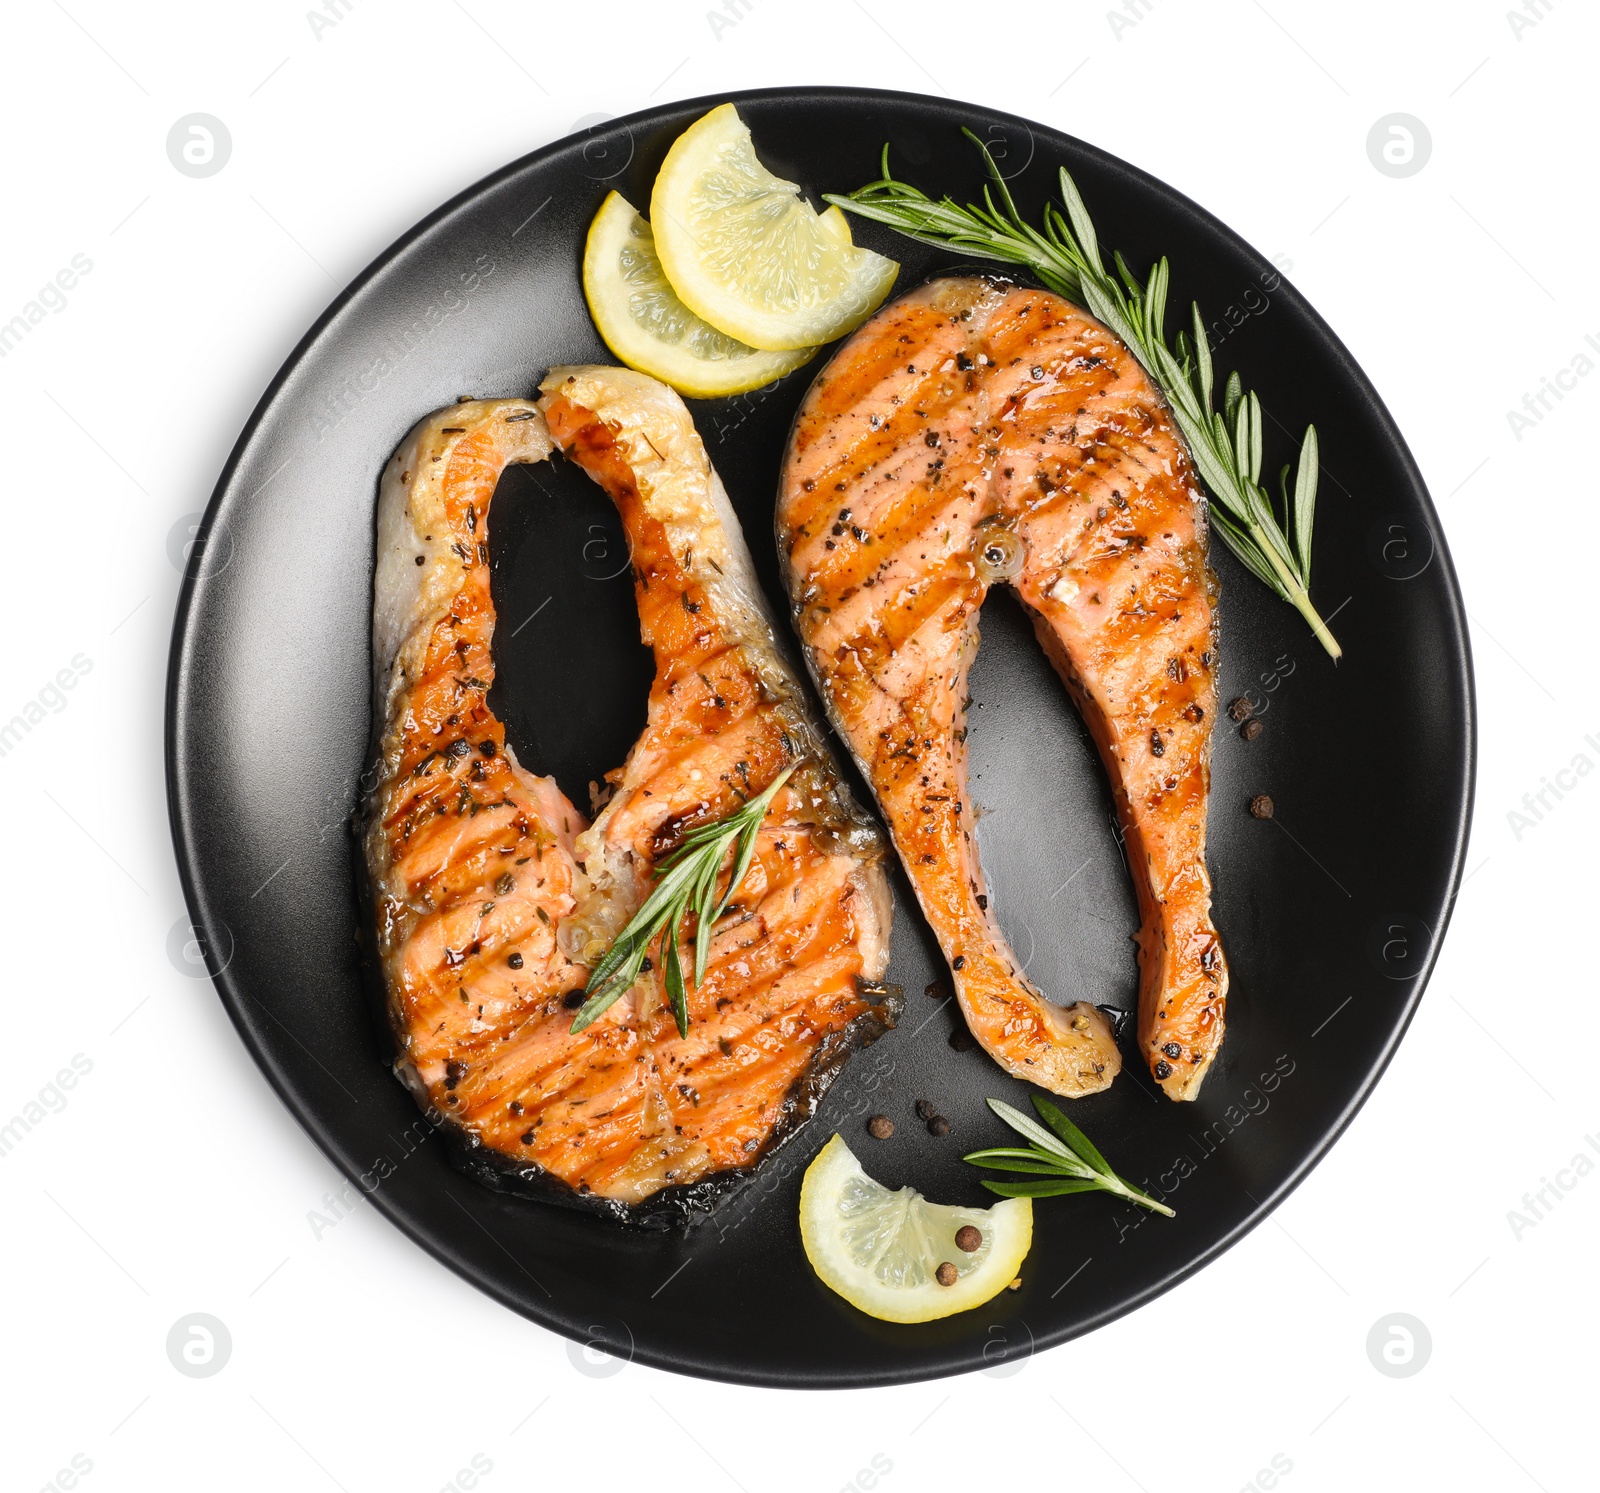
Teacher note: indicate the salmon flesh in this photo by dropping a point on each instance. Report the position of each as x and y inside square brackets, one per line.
[494, 895]
[971, 434]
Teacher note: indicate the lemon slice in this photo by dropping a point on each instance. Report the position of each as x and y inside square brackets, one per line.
[882, 1250]
[747, 253]
[650, 329]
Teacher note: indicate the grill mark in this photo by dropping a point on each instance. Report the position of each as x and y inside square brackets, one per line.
[865, 454]
[903, 527]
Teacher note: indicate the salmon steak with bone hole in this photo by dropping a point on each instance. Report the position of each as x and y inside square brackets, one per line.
[495, 897]
[975, 433]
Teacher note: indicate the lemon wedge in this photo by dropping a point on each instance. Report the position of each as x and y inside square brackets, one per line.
[645, 324]
[747, 253]
[882, 1250]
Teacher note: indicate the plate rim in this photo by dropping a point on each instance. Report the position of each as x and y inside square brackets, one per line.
[178, 708]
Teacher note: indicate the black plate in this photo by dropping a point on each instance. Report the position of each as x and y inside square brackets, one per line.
[1331, 913]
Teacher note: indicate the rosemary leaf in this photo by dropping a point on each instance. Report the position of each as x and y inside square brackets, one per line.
[1041, 1189]
[672, 978]
[1305, 497]
[1022, 1161]
[1080, 1143]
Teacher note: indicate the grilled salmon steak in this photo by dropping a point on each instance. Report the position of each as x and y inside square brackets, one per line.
[494, 895]
[974, 433]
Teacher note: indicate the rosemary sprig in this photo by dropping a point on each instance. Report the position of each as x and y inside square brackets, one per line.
[687, 883]
[1063, 1156]
[1225, 444]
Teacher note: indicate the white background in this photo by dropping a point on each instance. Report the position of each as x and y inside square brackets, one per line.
[173, 1182]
